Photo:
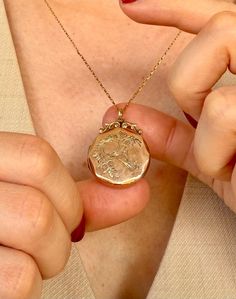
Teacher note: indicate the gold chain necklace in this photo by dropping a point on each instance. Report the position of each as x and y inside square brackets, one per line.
[119, 154]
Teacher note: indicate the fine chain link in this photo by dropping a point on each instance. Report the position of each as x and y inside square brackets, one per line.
[141, 85]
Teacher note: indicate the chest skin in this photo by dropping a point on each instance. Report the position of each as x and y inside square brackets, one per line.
[67, 107]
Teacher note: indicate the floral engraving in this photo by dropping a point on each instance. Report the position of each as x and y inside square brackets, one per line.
[116, 151]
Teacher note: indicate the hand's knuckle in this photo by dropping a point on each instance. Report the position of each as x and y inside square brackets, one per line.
[46, 161]
[41, 156]
[201, 160]
[219, 107]
[206, 169]
[223, 20]
[175, 86]
[179, 90]
[40, 219]
[22, 278]
[202, 165]
[63, 261]
[60, 258]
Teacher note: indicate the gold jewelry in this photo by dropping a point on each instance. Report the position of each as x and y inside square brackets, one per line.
[119, 154]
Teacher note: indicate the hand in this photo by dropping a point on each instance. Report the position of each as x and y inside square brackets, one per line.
[190, 15]
[208, 152]
[40, 205]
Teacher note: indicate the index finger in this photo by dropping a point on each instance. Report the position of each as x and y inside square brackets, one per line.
[203, 62]
[190, 16]
[28, 160]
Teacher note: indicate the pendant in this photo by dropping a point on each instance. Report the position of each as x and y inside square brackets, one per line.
[119, 154]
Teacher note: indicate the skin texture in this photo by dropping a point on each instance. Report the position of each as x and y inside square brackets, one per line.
[49, 173]
[211, 151]
[62, 84]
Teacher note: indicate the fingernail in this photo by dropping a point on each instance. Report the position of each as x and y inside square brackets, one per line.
[128, 1]
[78, 234]
[191, 120]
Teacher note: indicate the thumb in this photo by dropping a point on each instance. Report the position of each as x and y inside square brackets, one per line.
[169, 139]
[190, 15]
[106, 206]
